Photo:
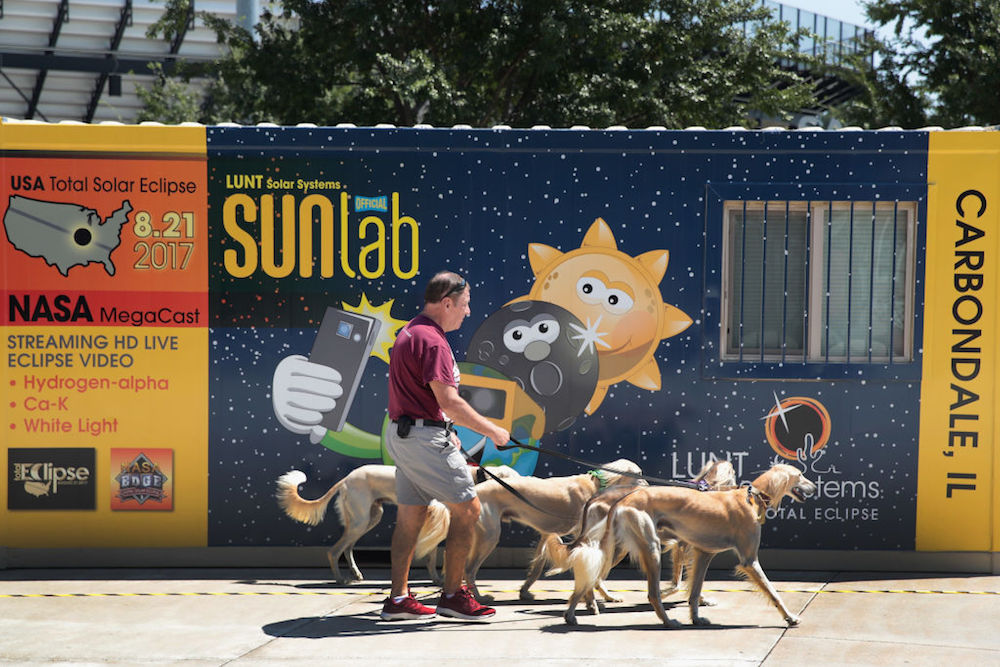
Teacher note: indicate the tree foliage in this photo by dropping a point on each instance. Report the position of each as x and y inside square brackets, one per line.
[941, 65]
[515, 62]
[168, 99]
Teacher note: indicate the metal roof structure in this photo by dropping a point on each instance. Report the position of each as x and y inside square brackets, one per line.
[834, 43]
[83, 59]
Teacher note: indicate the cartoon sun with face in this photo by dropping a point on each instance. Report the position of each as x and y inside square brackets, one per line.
[618, 299]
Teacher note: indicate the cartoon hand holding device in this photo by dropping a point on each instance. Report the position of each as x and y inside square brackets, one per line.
[308, 394]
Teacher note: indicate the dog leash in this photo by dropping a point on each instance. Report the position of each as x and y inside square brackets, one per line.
[698, 486]
[511, 489]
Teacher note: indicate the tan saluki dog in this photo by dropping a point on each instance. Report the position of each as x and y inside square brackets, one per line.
[709, 522]
[360, 496]
[558, 502]
[718, 475]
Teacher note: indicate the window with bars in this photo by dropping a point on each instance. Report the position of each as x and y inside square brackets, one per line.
[820, 281]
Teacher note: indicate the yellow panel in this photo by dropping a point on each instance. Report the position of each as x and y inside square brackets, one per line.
[958, 401]
[169, 139]
[154, 393]
[163, 406]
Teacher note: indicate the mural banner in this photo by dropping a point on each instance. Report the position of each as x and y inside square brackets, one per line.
[105, 324]
[594, 320]
[957, 495]
[171, 294]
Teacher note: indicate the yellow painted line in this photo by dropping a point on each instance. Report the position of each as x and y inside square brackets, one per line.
[837, 590]
[181, 594]
[754, 590]
[892, 591]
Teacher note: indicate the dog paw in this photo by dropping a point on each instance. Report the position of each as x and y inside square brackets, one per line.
[671, 624]
[792, 620]
[612, 598]
[570, 618]
[708, 602]
[700, 620]
[484, 599]
[526, 595]
[669, 590]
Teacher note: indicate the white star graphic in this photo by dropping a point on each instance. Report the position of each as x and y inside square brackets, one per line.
[781, 412]
[589, 336]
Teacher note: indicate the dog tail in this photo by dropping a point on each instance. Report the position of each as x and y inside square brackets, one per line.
[585, 530]
[559, 554]
[434, 530]
[554, 553]
[587, 562]
[310, 512]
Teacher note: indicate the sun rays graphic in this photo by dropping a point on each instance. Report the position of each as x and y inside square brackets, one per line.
[390, 325]
[618, 297]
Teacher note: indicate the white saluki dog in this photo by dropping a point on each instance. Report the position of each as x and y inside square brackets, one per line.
[360, 496]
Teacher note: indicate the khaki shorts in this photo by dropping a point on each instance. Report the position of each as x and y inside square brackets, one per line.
[428, 467]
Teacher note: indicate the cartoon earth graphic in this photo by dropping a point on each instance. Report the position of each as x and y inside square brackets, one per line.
[532, 343]
[617, 296]
[501, 399]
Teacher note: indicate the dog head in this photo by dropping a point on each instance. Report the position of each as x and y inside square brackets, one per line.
[624, 465]
[784, 480]
[719, 475]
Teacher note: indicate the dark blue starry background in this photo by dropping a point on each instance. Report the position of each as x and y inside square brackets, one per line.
[480, 197]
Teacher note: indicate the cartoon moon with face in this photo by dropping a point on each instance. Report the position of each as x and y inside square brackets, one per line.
[617, 297]
[537, 345]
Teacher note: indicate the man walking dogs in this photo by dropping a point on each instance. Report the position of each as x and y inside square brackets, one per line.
[424, 405]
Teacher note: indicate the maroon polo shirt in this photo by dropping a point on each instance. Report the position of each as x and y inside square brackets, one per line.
[420, 354]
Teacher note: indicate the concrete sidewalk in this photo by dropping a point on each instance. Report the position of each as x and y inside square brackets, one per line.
[283, 616]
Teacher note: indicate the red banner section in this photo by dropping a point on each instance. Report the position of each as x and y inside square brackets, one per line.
[114, 309]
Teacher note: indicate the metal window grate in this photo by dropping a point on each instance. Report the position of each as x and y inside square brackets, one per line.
[818, 281]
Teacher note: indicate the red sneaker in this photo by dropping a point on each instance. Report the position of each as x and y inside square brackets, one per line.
[407, 609]
[462, 605]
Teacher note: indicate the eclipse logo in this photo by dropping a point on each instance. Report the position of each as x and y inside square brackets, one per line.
[51, 478]
[796, 423]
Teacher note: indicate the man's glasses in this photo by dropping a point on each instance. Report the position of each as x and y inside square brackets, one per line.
[458, 288]
[442, 287]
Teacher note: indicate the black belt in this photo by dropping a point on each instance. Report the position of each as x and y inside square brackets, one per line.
[404, 422]
[424, 422]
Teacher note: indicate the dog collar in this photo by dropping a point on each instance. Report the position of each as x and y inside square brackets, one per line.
[601, 477]
[754, 494]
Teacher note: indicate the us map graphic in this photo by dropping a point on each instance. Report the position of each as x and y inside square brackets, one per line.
[64, 234]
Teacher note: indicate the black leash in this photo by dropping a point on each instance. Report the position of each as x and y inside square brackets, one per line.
[699, 486]
[483, 469]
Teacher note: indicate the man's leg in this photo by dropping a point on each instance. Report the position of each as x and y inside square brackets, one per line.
[460, 533]
[409, 519]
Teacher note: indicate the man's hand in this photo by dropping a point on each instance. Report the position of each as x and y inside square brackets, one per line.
[500, 436]
[302, 392]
